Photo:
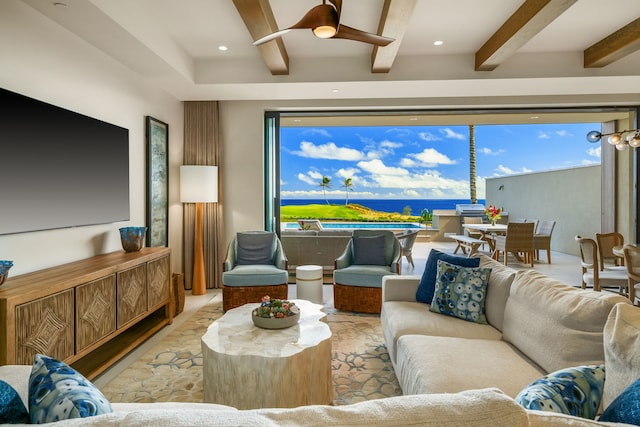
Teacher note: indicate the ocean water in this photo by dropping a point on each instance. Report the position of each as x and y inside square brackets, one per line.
[387, 205]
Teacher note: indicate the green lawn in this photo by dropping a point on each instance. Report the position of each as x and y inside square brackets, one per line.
[351, 212]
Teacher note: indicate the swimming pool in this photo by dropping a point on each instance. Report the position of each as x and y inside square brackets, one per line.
[353, 225]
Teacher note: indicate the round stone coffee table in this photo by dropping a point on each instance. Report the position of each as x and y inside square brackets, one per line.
[248, 367]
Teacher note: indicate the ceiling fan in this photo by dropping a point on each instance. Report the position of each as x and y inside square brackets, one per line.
[324, 21]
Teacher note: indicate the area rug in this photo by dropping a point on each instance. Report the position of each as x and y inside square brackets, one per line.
[172, 369]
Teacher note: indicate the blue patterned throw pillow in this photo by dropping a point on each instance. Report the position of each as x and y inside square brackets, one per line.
[626, 407]
[427, 284]
[58, 392]
[461, 292]
[12, 410]
[573, 391]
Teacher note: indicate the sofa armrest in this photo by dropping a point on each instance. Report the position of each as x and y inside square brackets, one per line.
[399, 288]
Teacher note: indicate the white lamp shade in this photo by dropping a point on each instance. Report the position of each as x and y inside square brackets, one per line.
[198, 184]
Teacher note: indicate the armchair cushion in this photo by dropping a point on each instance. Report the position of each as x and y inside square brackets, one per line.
[369, 250]
[255, 275]
[255, 248]
[428, 282]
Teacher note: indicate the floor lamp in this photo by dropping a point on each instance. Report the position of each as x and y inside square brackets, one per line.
[198, 184]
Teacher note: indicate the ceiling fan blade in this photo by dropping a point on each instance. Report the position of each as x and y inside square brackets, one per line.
[271, 36]
[349, 33]
[322, 14]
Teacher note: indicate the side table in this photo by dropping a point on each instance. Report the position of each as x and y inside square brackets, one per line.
[309, 283]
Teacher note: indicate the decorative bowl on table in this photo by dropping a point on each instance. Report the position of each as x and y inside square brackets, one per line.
[4, 270]
[275, 314]
[132, 238]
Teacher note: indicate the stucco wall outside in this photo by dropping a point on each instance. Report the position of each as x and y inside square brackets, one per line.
[571, 197]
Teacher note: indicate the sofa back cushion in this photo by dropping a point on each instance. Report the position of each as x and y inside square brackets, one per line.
[497, 290]
[554, 324]
[621, 350]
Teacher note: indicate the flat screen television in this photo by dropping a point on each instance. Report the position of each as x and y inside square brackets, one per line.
[58, 168]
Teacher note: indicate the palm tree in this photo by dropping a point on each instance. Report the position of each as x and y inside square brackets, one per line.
[326, 183]
[472, 164]
[348, 186]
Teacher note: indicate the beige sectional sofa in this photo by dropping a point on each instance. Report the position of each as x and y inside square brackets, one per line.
[473, 408]
[536, 325]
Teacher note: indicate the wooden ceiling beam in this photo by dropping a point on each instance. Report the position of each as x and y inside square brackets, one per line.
[613, 47]
[394, 21]
[259, 20]
[531, 17]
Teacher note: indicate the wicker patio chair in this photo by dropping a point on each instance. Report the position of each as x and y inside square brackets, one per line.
[632, 262]
[591, 274]
[606, 243]
[518, 240]
[542, 238]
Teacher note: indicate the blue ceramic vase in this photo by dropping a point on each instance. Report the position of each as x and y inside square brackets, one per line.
[132, 238]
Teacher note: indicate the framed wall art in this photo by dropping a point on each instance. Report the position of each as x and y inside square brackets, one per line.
[157, 182]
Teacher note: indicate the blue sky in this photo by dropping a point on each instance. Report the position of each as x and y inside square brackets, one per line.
[423, 162]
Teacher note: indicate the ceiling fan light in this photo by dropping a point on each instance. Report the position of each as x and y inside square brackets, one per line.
[324, 31]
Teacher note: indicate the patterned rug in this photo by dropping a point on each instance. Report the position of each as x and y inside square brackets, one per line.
[172, 369]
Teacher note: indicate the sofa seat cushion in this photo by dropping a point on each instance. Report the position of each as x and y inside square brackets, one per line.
[369, 276]
[429, 364]
[407, 318]
[538, 305]
[257, 275]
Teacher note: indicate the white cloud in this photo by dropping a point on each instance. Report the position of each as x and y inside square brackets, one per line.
[489, 152]
[564, 133]
[595, 152]
[450, 134]
[543, 135]
[317, 131]
[377, 167]
[431, 157]
[504, 170]
[347, 172]
[408, 163]
[390, 144]
[428, 136]
[328, 151]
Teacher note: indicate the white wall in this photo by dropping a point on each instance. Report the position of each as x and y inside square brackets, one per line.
[571, 197]
[45, 62]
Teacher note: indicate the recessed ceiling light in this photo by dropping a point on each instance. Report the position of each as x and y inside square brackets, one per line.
[335, 90]
[438, 43]
[413, 119]
[223, 48]
[534, 117]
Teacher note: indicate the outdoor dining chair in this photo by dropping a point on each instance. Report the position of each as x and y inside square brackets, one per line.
[606, 242]
[518, 241]
[542, 238]
[407, 240]
[592, 275]
[632, 263]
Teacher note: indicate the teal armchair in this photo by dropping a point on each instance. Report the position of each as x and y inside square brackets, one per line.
[255, 266]
[358, 273]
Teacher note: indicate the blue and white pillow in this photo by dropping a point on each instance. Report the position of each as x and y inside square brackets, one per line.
[461, 292]
[58, 392]
[573, 391]
[427, 284]
[12, 410]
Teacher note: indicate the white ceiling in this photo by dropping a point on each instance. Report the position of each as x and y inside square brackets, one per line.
[174, 43]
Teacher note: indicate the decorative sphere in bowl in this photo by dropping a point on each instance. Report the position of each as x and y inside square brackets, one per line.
[132, 238]
[4, 270]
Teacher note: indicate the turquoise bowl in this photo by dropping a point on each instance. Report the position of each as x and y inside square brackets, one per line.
[4, 270]
[132, 238]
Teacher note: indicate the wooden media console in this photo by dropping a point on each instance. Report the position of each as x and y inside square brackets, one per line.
[88, 313]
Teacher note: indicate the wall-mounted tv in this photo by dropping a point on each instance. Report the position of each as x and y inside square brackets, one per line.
[58, 168]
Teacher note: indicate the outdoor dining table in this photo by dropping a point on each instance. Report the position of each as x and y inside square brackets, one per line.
[487, 230]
